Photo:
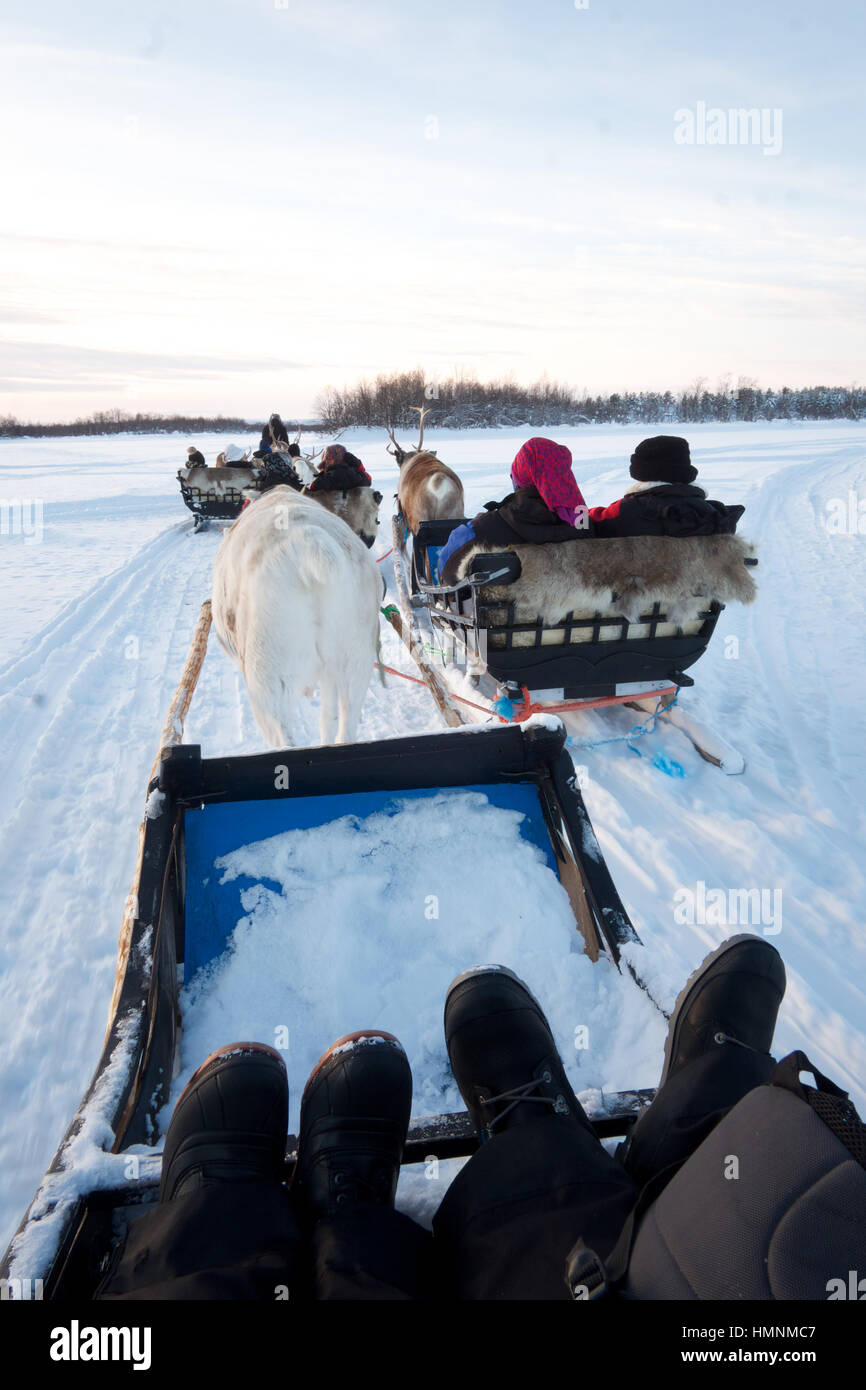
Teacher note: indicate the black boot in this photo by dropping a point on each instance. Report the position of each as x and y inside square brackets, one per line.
[230, 1122]
[503, 1055]
[733, 998]
[354, 1120]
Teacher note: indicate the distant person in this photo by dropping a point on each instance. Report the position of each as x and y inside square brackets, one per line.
[339, 471]
[545, 508]
[194, 458]
[275, 437]
[663, 500]
[277, 469]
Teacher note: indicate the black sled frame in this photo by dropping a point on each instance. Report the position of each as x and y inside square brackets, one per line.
[142, 1037]
[584, 658]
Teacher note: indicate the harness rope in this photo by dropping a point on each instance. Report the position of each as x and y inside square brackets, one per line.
[636, 732]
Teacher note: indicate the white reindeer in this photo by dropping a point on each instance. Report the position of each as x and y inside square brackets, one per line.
[296, 598]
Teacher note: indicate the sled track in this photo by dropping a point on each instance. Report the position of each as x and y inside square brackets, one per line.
[80, 710]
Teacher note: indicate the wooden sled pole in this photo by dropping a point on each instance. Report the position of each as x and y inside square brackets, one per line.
[451, 716]
[172, 729]
[172, 733]
[412, 639]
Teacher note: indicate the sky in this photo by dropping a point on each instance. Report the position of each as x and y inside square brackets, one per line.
[225, 206]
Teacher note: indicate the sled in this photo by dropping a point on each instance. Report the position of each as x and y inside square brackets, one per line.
[217, 494]
[181, 913]
[518, 667]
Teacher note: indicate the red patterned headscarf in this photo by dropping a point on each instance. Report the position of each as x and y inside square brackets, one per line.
[334, 454]
[546, 466]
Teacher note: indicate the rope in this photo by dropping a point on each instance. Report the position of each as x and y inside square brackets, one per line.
[638, 730]
[415, 681]
[384, 557]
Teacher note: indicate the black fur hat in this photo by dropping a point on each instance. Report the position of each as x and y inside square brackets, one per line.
[663, 459]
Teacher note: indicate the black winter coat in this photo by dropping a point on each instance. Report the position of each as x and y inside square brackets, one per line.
[521, 518]
[672, 509]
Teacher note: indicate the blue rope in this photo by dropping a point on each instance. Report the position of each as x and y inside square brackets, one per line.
[638, 730]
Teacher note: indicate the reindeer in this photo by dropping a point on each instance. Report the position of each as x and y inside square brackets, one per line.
[296, 604]
[357, 506]
[427, 489]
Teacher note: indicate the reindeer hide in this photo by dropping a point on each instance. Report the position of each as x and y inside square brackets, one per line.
[681, 574]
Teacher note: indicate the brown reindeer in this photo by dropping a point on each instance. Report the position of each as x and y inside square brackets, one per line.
[427, 489]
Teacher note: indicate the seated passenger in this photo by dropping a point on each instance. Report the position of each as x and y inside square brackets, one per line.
[195, 458]
[275, 437]
[663, 501]
[339, 471]
[546, 508]
[276, 470]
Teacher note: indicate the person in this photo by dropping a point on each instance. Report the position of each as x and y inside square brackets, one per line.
[194, 457]
[545, 508]
[277, 469]
[225, 1226]
[663, 500]
[275, 437]
[736, 1182]
[339, 471]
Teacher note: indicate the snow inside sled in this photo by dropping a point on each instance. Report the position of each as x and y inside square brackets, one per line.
[217, 494]
[252, 866]
[604, 633]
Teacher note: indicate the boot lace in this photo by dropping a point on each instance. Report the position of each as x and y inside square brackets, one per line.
[517, 1094]
[720, 1037]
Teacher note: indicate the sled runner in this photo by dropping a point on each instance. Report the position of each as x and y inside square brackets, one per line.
[565, 628]
[217, 494]
[183, 909]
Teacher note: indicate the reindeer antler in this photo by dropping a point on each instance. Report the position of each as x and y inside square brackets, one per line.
[398, 453]
[422, 411]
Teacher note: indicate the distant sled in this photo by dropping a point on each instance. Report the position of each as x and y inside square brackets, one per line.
[217, 494]
[562, 629]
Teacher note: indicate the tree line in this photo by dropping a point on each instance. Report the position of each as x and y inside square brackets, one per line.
[117, 422]
[463, 402]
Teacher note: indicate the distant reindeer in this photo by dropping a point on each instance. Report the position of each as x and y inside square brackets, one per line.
[427, 489]
[296, 600]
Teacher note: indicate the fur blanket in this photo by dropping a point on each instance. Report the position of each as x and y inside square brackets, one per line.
[623, 576]
[216, 482]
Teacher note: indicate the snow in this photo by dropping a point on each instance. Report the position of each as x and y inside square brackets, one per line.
[101, 604]
[365, 922]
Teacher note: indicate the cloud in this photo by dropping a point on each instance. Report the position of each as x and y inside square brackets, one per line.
[53, 366]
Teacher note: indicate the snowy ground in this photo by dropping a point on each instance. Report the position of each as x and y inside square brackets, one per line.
[103, 581]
